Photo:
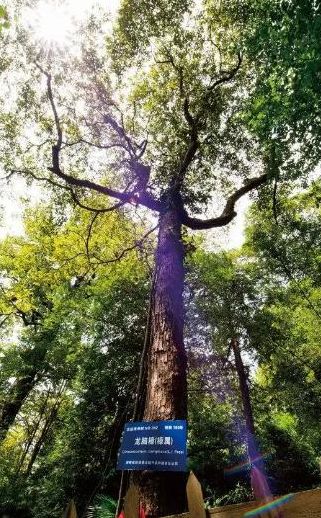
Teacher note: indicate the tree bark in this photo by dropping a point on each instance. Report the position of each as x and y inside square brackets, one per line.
[44, 433]
[20, 390]
[14, 401]
[163, 493]
[259, 482]
[244, 389]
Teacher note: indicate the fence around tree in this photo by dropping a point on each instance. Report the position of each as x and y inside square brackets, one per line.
[306, 504]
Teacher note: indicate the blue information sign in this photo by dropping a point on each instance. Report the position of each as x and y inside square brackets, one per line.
[153, 445]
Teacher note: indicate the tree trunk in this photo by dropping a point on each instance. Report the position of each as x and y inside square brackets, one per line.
[20, 390]
[33, 434]
[244, 389]
[44, 433]
[11, 407]
[259, 483]
[163, 493]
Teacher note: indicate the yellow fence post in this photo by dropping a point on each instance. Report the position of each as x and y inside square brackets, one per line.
[131, 502]
[71, 511]
[195, 497]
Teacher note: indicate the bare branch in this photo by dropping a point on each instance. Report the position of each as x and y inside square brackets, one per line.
[137, 244]
[142, 148]
[28, 172]
[57, 147]
[92, 144]
[39, 145]
[227, 75]
[67, 188]
[90, 228]
[120, 131]
[143, 198]
[94, 209]
[229, 210]
[8, 176]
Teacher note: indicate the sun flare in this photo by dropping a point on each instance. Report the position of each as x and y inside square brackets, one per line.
[53, 23]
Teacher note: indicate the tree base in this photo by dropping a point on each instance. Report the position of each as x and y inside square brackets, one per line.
[162, 493]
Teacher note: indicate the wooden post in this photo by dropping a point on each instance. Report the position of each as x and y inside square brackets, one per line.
[131, 502]
[71, 511]
[195, 497]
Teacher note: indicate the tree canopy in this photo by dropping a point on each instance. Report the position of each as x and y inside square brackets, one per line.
[136, 132]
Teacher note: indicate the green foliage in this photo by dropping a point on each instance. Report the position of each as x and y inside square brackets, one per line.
[105, 508]
[4, 19]
[267, 294]
[282, 41]
[159, 54]
[80, 331]
[138, 23]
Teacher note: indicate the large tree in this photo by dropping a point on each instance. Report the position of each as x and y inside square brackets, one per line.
[152, 123]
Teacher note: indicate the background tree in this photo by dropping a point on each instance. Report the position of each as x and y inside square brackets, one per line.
[70, 419]
[289, 355]
[235, 296]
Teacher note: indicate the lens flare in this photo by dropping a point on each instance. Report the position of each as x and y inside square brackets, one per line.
[243, 466]
[275, 504]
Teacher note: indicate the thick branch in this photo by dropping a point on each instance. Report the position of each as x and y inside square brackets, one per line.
[142, 198]
[188, 157]
[229, 210]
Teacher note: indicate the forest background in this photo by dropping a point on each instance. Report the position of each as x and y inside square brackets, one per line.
[75, 283]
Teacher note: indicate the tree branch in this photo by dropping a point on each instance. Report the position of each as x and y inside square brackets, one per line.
[92, 144]
[120, 131]
[188, 157]
[90, 228]
[137, 244]
[93, 209]
[28, 172]
[228, 75]
[275, 212]
[179, 70]
[229, 210]
[53, 105]
[191, 121]
[142, 198]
